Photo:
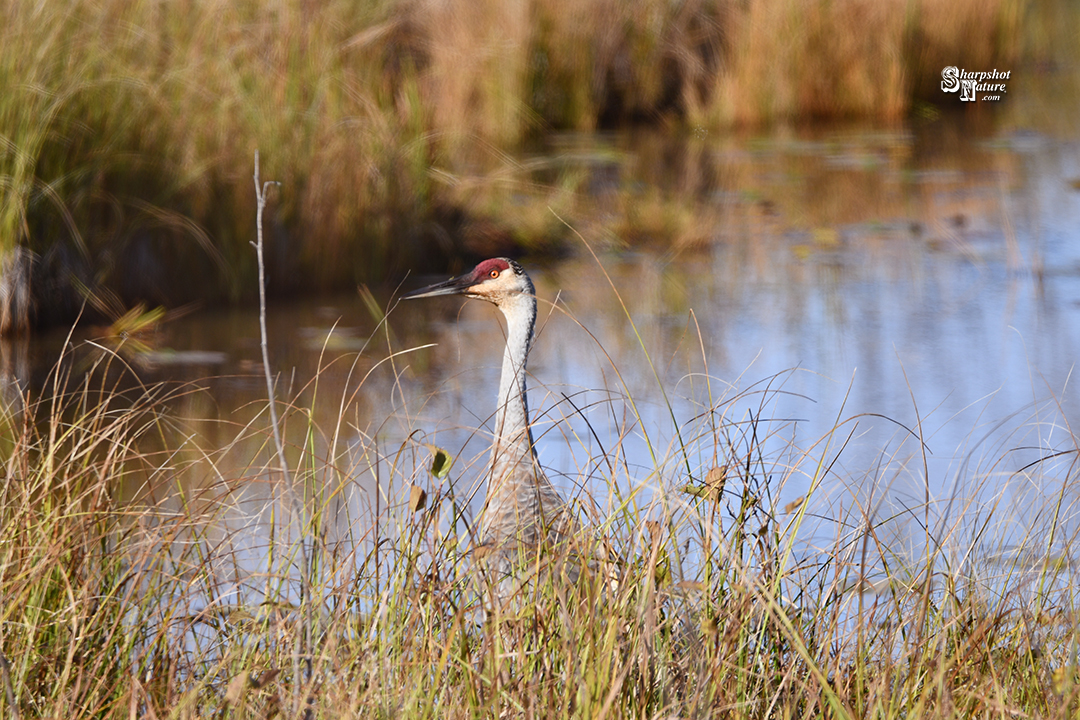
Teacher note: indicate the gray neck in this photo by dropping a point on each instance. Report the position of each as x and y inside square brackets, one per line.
[512, 451]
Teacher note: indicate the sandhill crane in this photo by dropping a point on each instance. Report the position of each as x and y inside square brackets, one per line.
[523, 511]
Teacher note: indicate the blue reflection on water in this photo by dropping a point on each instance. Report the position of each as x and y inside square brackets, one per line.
[927, 300]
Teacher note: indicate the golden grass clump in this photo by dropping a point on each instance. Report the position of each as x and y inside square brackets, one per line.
[857, 58]
[127, 128]
[142, 577]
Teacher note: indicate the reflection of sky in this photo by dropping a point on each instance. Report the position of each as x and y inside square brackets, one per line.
[956, 305]
[969, 324]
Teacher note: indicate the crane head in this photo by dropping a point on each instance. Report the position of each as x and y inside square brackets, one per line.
[495, 280]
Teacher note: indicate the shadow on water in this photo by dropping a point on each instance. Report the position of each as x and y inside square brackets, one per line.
[912, 295]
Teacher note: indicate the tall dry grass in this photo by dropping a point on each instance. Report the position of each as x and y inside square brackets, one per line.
[206, 593]
[127, 127]
[857, 58]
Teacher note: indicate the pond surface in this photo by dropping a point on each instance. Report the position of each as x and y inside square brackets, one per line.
[847, 288]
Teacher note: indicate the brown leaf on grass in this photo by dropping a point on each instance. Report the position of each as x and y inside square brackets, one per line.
[794, 505]
[654, 529]
[691, 586]
[713, 487]
[483, 550]
[417, 498]
[717, 477]
[265, 678]
[237, 688]
[241, 683]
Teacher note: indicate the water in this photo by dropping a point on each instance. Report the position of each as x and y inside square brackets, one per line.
[894, 291]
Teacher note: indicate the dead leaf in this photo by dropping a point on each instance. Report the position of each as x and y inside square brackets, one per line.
[653, 528]
[265, 678]
[713, 487]
[717, 477]
[237, 688]
[794, 505]
[417, 498]
[440, 461]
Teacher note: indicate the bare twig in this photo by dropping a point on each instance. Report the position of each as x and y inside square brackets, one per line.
[260, 196]
[303, 640]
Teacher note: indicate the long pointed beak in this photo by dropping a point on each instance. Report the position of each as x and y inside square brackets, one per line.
[453, 286]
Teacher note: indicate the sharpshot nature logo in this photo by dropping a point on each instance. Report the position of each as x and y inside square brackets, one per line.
[975, 85]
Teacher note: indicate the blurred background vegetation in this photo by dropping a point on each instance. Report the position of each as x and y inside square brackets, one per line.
[396, 127]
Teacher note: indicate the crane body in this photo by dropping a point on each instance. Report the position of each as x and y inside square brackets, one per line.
[522, 509]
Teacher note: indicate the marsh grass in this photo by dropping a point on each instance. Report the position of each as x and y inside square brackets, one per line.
[393, 124]
[182, 598]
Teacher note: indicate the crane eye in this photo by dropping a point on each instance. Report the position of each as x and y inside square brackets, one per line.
[494, 273]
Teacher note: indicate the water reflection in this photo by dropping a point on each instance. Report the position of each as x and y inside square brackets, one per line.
[923, 281]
